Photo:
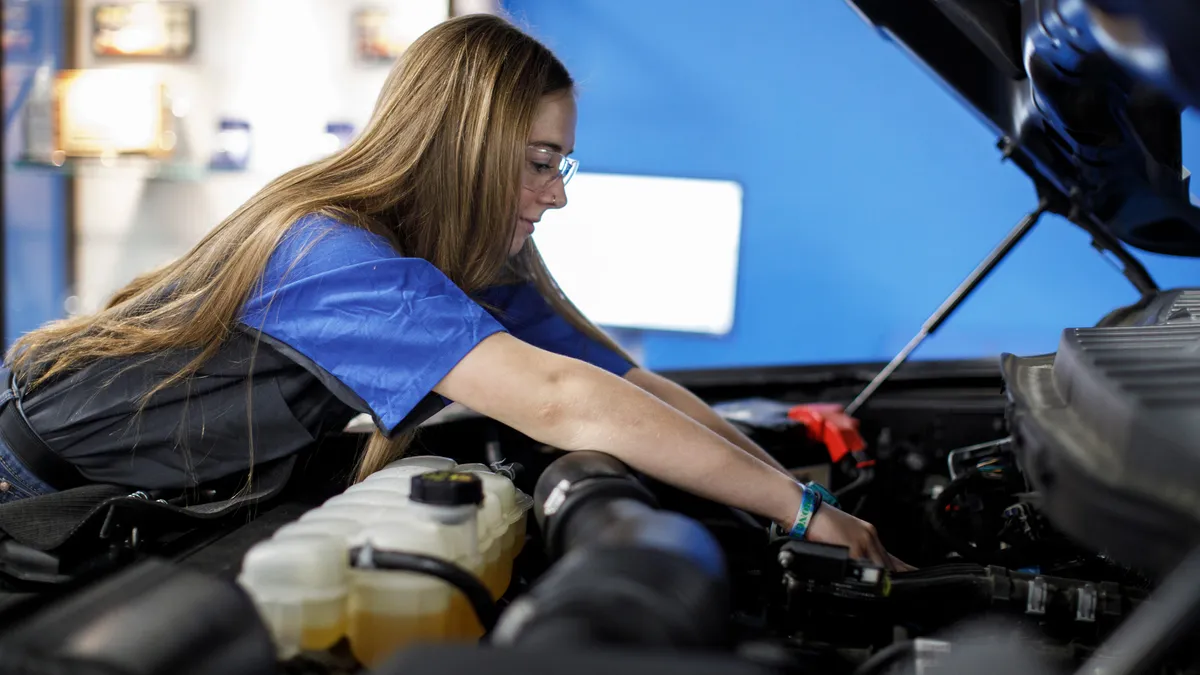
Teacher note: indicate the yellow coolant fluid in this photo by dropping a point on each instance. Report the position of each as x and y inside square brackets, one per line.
[299, 586]
[390, 609]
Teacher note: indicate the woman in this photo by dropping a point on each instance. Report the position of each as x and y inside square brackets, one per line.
[392, 277]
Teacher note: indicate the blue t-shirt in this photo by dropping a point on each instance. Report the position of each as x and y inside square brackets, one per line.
[388, 328]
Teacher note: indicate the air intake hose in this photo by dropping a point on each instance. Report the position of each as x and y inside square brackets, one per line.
[628, 573]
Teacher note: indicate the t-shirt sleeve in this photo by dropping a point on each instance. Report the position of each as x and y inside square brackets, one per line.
[522, 310]
[386, 328]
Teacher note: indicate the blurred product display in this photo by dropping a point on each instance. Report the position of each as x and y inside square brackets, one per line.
[158, 29]
[110, 112]
[233, 146]
[337, 136]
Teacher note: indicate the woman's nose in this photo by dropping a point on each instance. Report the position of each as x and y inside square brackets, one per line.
[555, 194]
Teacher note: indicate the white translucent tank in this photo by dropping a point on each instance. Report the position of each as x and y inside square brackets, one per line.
[360, 512]
[299, 585]
[346, 529]
[294, 577]
[429, 462]
[390, 609]
[437, 504]
[474, 467]
[514, 505]
[399, 485]
[495, 569]
[370, 497]
[392, 471]
[502, 518]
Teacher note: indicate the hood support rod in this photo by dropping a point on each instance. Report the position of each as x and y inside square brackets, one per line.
[953, 302]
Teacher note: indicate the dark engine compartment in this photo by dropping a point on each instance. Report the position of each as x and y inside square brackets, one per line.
[623, 572]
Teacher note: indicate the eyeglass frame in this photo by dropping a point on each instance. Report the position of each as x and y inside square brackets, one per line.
[567, 167]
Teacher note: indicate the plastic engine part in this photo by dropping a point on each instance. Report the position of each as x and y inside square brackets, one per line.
[150, 619]
[1108, 431]
[630, 575]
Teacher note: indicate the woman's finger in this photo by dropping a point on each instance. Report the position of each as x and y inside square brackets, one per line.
[873, 551]
[866, 552]
[877, 552]
[887, 562]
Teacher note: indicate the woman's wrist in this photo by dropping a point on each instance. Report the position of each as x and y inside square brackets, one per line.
[810, 503]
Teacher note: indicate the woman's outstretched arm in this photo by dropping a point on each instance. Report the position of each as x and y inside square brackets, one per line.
[694, 407]
[575, 406]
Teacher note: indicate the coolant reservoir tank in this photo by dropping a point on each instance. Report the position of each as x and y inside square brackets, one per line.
[473, 467]
[345, 529]
[398, 485]
[299, 585]
[391, 471]
[494, 569]
[451, 501]
[427, 462]
[391, 609]
[370, 497]
[514, 505]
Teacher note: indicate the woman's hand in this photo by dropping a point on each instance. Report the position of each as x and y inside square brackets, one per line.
[839, 528]
[833, 526]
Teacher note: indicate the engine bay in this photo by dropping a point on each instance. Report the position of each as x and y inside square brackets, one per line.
[618, 571]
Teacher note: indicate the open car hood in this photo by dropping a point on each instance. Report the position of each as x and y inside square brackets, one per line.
[1104, 148]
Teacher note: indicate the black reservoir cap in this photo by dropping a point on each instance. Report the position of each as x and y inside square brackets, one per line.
[447, 488]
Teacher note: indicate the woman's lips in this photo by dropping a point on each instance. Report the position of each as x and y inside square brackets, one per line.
[528, 225]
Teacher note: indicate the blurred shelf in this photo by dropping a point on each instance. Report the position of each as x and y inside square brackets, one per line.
[127, 167]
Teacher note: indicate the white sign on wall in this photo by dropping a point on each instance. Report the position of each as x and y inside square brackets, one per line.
[647, 252]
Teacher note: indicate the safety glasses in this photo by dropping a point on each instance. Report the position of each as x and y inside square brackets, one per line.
[543, 166]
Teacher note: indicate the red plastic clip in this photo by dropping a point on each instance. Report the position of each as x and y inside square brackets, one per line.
[828, 423]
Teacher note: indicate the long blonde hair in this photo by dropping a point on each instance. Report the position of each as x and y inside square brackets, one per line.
[436, 171]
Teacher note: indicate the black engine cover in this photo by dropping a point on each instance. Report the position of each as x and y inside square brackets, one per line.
[1108, 431]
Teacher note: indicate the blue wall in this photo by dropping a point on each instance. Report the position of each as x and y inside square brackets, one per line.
[35, 252]
[869, 191]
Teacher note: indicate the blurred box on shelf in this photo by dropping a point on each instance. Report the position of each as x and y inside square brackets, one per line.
[376, 37]
[144, 29]
[110, 112]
